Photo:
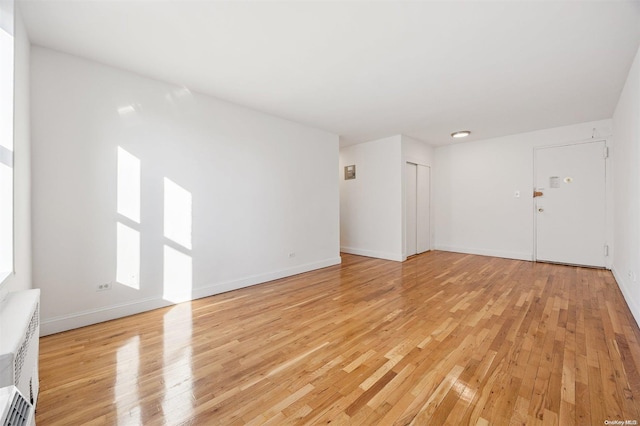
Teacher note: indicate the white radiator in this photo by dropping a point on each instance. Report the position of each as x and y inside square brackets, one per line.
[19, 342]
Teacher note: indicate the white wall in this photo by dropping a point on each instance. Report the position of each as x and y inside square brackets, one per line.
[371, 205]
[626, 224]
[417, 152]
[474, 185]
[264, 190]
[21, 279]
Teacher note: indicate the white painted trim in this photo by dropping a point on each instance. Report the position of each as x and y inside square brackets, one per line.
[488, 252]
[398, 257]
[624, 288]
[575, 142]
[225, 286]
[416, 162]
[94, 316]
[4, 286]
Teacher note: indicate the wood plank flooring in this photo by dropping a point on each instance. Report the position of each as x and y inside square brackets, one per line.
[443, 338]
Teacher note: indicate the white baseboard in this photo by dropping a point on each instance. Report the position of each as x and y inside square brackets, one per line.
[372, 253]
[225, 286]
[488, 252]
[94, 316]
[624, 286]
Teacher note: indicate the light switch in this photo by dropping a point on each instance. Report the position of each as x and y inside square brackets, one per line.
[516, 194]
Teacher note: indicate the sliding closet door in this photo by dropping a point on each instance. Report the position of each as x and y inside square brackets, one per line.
[411, 209]
[423, 207]
[418, 207]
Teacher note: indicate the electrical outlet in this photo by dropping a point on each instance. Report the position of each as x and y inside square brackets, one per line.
[103, 287]
[292, 254]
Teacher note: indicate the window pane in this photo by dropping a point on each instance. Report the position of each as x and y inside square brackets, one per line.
[6, 137]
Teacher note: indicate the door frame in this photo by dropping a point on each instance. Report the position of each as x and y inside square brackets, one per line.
[608, 188]
[410, 210]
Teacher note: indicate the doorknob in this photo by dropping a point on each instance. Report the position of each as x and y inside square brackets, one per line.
[540, 209]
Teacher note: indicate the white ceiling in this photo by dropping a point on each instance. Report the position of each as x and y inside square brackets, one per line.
[366, 70]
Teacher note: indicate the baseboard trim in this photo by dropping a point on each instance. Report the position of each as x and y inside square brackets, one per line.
[623, 285]
[487, 252]
[372, 253]
[225, 286]
[93, 316]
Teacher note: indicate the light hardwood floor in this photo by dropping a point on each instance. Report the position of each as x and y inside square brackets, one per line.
[443, 338]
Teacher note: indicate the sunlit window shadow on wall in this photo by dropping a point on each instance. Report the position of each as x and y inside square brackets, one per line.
[177, 275]
[128, 185]
[126, 393]
[178, 280]
[178, 402]
[177, 214]
[128, 256]
[128, 207]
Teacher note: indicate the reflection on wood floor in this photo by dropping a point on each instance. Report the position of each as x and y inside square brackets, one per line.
[443, 338]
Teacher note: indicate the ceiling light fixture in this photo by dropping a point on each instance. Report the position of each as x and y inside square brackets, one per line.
[460, 134]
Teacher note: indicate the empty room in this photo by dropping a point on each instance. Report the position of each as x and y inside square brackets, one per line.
[345, 212]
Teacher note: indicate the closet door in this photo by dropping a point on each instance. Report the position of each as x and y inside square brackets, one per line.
[423, 207]
[411, 240]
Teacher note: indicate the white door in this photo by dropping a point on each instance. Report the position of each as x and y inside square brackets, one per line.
[412, 209]
[423, 208]
[417, 234]
[570, 213]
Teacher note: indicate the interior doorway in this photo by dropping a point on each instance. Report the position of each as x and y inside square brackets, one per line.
[418, 206]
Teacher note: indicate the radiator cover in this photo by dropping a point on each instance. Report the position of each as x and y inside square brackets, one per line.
[19, 342]
[14, 408]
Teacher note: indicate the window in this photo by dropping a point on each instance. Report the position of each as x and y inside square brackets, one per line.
[6, 138]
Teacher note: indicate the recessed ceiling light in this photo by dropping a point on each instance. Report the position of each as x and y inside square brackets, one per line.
[460, 134]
